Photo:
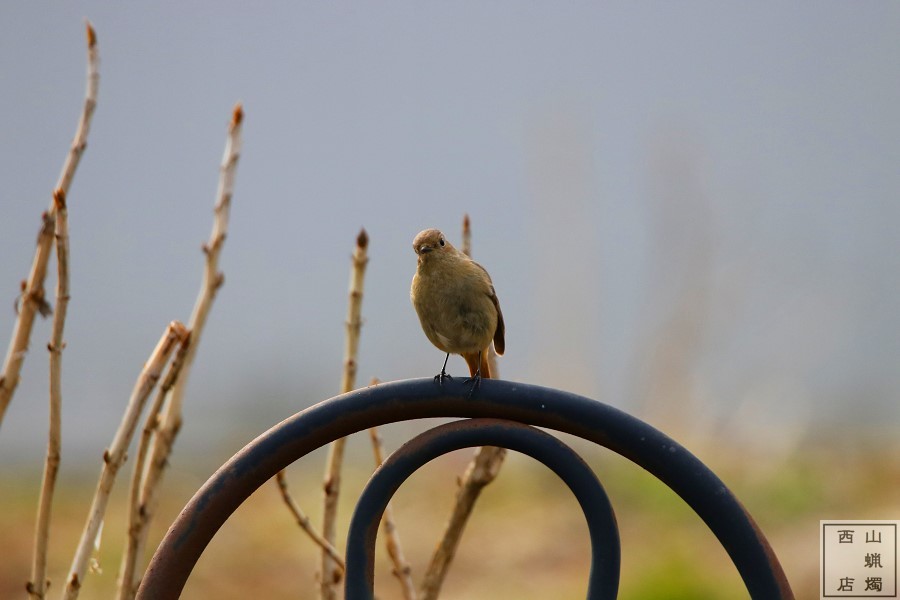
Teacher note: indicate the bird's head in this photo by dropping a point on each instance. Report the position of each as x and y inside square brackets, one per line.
[430, 243]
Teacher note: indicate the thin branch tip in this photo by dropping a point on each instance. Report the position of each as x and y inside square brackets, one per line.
[237, 115]
[91, 34]
[362, 240]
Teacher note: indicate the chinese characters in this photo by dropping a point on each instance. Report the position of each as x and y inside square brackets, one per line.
[859, 559]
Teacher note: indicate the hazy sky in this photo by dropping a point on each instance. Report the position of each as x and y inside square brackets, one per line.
[673, 199]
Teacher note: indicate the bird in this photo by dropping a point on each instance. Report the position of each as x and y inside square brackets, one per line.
[457, 305]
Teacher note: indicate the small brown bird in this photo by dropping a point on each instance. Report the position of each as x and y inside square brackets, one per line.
[456, 303]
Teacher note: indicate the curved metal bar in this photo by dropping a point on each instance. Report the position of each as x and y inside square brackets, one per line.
[601, 521]
[343, 415]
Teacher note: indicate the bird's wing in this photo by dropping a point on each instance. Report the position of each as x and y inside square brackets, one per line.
[500, 332]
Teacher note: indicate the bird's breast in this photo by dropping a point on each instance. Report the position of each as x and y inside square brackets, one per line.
[456, 313]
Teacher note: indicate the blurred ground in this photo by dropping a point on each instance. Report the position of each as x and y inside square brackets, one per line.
[526, 540]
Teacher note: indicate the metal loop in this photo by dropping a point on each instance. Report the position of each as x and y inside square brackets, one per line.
[343, 415]
[562, 460]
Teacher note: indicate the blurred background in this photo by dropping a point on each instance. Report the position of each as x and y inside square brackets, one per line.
[690, 211]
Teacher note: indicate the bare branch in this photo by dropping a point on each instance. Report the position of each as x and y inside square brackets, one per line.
[402, 570]
[170, 421]
[354, 311]
[481, 471]
[114, 456]
[37, 586]
[466, 245]
[139, 515]
[79, 143]
[304, 522]
[32, 300]
[212, 277]
[332, 486]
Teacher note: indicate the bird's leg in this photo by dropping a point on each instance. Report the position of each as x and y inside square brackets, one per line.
[476, 378]
[440, 377]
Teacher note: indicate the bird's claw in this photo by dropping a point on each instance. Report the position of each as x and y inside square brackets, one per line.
[475, 380]
[440, 377]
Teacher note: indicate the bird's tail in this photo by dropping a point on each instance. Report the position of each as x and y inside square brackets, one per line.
[473, 361]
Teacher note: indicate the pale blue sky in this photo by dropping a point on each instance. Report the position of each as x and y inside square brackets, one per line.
[619, 160]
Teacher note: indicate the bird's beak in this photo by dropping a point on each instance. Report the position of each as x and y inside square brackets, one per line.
[423, 249]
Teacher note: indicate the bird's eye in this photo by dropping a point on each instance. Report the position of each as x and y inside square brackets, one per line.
[441, 241]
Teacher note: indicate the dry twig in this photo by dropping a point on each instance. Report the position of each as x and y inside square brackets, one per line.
[332, 485]
[304, 522]
[37, 586]
[482, 470]
[402, 570]
[114, 456]
[139, 515]
[170, 420]
[466, 245]
[33, 289]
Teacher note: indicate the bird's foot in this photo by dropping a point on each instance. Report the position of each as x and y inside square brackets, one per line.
[440, 377]
[475, 380]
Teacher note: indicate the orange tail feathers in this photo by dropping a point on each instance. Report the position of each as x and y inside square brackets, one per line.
[473, 361]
